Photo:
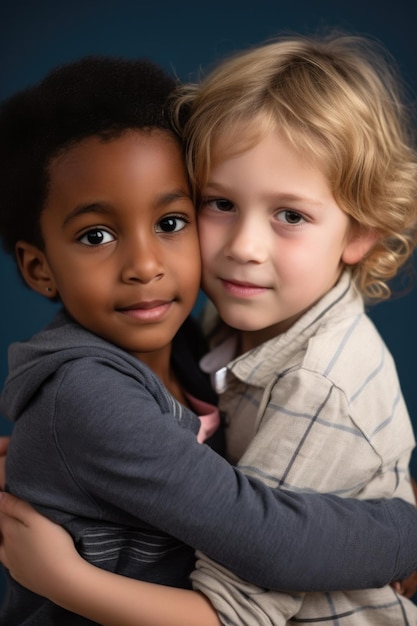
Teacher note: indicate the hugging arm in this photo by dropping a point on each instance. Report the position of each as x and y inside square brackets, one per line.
[160, 475]
[31, 544]
[188, 491]
[42, 556]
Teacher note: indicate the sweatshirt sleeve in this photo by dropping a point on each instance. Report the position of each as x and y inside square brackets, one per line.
[120, 448]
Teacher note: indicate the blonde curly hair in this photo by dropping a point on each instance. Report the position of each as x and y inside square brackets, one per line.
[338, 100]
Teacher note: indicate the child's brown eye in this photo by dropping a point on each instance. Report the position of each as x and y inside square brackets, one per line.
[171, 224]
[96, 237]
[224, 205]
[292, 218]
[168, 225]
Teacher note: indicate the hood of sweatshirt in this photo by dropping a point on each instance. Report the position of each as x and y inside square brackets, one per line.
[33, 361]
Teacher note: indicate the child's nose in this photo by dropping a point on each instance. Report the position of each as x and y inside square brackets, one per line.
[142, 262]
[247, 242]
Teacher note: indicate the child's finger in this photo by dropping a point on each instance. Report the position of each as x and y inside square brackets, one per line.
[398, 588]
[16, 508]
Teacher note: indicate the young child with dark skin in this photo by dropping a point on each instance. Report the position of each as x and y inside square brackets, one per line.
[91, 249]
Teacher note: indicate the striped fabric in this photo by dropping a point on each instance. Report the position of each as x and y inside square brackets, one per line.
[317, 409]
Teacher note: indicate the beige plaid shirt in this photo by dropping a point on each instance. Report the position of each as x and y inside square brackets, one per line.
[320, 409]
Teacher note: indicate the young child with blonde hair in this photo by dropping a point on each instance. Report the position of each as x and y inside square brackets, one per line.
[308, 208]
[306, 176]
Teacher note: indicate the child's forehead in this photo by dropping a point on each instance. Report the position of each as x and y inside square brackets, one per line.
[241, 134]
[107, 138]
[242, 137]
[129, 168]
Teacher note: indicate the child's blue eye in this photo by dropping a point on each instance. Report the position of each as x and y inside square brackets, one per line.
[170, 224]
[96, 237]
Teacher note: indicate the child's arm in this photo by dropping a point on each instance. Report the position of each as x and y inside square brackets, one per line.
[41, 556]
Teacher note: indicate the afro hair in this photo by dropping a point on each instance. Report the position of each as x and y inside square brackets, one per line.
[94, 95]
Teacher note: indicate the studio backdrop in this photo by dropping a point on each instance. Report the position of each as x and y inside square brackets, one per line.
[188, 38]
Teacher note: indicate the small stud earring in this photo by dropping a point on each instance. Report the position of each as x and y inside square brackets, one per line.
[48, 289]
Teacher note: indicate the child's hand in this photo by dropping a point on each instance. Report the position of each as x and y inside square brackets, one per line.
[407, 587]
[4, 444]
[36, 551]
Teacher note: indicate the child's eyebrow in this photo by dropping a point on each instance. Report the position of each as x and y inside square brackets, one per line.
[164, 199]
[172, 196]
[220, 188]
[95, 207]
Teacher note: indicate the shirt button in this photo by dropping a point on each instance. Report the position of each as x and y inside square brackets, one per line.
[220, 382]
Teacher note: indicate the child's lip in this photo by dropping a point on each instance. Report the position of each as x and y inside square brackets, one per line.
[243, 283]
[145, 305]
[243, 289]
[147, 310]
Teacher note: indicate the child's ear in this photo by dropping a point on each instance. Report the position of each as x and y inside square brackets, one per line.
[359, 242]
[35, 269]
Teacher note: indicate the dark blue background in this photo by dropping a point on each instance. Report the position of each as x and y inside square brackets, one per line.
[184, 37]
